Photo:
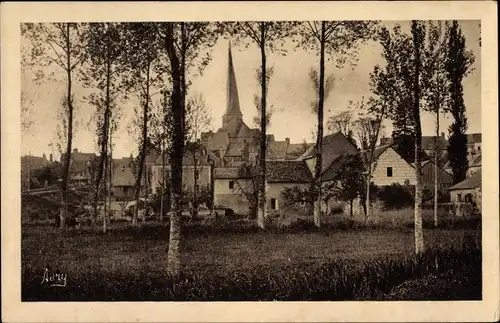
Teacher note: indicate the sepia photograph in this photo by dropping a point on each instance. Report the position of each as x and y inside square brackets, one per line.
[244, 160]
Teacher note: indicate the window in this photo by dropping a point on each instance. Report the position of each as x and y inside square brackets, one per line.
[231, 185]
[274, 204]
[389, 171]
[459, 197]
[478, 148]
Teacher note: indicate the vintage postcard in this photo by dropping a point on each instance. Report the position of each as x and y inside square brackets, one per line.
[250, 161]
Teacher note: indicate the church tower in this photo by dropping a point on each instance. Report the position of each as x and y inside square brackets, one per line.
[233, 118]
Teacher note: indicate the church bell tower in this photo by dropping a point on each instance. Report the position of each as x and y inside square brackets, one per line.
[233, 118]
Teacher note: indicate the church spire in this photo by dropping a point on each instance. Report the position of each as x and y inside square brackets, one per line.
[233, 102]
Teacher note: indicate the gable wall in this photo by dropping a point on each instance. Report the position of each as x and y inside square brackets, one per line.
[401, 170]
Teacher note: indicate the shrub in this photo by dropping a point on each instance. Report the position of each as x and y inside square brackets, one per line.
[395, 196]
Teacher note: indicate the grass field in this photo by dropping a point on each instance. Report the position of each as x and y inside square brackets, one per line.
[91, 258]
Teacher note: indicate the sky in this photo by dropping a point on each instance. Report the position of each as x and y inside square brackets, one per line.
[290, 92]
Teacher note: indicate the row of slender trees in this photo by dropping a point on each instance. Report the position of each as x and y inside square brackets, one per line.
[138, 61]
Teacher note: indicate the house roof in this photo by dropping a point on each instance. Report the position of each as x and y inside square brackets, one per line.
[33, 162]
[80, 161]
[123, 176]
[422, 163]
[476, 162]
[218, 140]
[287, 171]
[231, 173]
[469, 183]
[235, 149]
[296, 150]
[277, 149]
[333, 145]
[125, 161]
[377, 151]
[330, 173]
[428, 142]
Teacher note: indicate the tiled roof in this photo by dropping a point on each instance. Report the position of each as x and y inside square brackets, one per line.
[231, 173]
[277, 149]
[125, 161]
[296, 150]
[376, 152]
[218, 140]
[80, 161]
[335, 145]
[33, 162]
[469, 183]
[123, 176]
[235, 149]
[428, 142]
[287, 171]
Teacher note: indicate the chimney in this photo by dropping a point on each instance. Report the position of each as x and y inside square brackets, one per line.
[75, 151]
[44, 156]
[442, 134]
[51, 158]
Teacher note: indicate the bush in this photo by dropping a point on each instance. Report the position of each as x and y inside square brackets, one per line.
[395, 196]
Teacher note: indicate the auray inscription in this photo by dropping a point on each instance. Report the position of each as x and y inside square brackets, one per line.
[54, 278]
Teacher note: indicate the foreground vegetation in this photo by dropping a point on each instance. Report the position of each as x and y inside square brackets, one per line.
[236, 261]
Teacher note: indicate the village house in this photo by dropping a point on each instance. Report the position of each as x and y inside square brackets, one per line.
[234, 188]
[30, 164]
[390, 168]
[123, 180]
[429, 143]
[284, 174]
[204, 165]
[334, 146]
[445, 179]
[473, 146]
[81, 167]
[467, 191]
[474, 166]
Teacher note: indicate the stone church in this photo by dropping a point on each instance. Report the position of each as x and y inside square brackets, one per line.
[226, 150]
[235, 142]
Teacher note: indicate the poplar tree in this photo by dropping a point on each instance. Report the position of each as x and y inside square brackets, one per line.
[60, 51]
[458, 66]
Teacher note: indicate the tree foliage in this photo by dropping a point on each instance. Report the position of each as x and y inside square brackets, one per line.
[349, 179]
[458, 65]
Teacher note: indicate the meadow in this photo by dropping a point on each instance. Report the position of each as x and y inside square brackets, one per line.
[234, 260]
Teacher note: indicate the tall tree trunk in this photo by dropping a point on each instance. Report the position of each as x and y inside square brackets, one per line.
[105, 204]
[174, 246]
[261, 197]
[419, 234]
[372, 164]
[195, 189]
[142, 153]
[436, 160]
[368, 184]
[162, 195]
[104, 135]
[63, 213]
[319, 139]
